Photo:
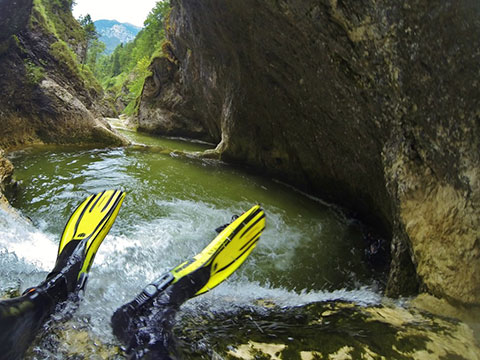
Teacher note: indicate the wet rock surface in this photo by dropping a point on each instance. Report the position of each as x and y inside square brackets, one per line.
[265, 330]
[373, 106]
[6, 171]
[326, 330]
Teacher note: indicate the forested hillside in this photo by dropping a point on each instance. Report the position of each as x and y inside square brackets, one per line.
[122, 73]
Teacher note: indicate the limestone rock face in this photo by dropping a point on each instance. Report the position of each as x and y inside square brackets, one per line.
[44, 94]
[375, 106]
[168, 111]
[14, 17]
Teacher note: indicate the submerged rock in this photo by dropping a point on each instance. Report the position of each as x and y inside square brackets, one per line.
[329, 330]
[373, 106]
[321, 330]
[70, 340]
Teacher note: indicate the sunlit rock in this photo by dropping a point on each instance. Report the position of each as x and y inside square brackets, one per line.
[341, 331]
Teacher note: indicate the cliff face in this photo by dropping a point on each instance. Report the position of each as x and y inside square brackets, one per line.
[374, 106]
[46, 95]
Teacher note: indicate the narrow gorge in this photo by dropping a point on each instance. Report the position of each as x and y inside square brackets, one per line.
[372, 106]
[351, 121]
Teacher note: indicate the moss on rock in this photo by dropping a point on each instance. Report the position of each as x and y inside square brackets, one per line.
[48, 97]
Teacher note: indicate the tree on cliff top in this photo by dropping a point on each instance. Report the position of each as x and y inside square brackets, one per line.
[65, 4]
[90, 35]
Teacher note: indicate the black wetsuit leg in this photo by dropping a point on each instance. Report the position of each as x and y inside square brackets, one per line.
[20, 320]
[147, 330]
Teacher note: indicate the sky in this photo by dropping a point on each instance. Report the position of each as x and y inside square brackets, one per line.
[131, 11]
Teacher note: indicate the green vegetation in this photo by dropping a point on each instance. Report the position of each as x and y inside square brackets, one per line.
[95, 49]
[91, 36]
[40, 19]
[79, 53]
[135, 86]
[123, 73]
[54, 17]
[68, 59]
[35, 73]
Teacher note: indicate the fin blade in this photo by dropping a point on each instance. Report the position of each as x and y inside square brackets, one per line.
[91, 222]
[236, 251]
[70, 228]
[228, 250]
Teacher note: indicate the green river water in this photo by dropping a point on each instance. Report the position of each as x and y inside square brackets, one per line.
[308, 254]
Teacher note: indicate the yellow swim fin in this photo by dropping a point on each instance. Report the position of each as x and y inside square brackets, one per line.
[88, 226]
[212, 265]
[227, 251]
[193, 277]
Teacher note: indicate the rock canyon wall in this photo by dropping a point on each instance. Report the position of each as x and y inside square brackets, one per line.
[372, 105]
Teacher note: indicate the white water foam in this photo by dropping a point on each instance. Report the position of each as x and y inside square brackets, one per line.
[26, 254]
[241, 294]
[131, 258]
[31, 245]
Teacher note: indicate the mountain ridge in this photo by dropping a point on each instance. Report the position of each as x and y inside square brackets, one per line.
[114, 32]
